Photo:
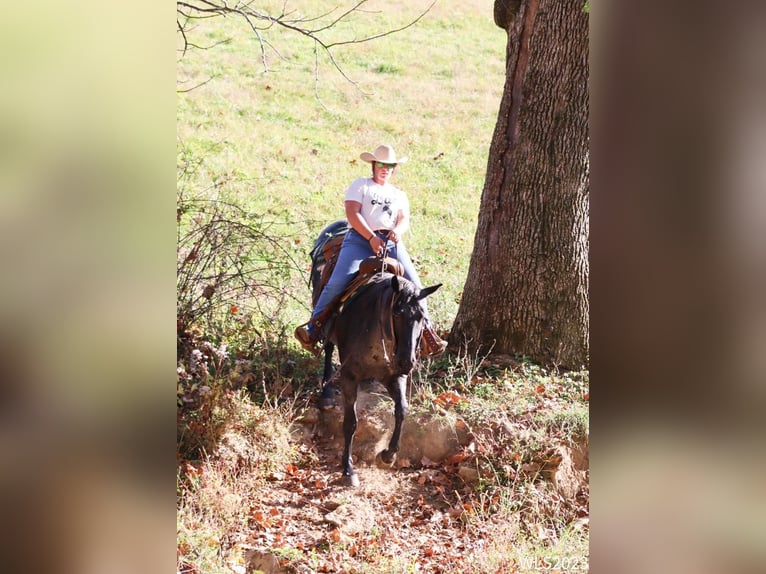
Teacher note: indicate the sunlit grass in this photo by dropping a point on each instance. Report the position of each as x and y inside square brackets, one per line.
[290, 146]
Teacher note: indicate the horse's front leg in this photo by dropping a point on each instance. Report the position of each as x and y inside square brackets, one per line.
[349, 387]
[327, 396]
[398, 391]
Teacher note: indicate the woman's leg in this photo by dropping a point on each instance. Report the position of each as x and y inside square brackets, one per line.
[352, 252]
[402, 255]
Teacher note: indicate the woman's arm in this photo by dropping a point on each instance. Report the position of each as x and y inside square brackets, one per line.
[354, 216]
[360, 225]
[401, 226]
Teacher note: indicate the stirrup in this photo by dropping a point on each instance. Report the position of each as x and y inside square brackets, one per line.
[431, 344]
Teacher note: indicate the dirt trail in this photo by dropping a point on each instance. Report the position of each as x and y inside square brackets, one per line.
[396, 517]
[422, 516]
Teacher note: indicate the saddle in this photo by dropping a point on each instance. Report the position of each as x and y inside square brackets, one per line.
[367, 269]
[324, 255]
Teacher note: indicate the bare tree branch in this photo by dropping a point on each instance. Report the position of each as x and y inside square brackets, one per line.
[183, 35]
[260, 21]
[196, 85]
[339, 18]
[387, 33]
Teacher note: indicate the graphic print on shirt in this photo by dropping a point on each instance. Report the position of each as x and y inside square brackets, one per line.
[383, 207]
[386, 203]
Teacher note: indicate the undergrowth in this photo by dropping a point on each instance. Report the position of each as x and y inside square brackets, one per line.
[238, 436]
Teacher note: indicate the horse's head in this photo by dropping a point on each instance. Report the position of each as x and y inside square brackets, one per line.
[408, 318]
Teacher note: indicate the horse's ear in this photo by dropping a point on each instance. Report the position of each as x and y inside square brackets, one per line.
[427, 291]
[395, 284]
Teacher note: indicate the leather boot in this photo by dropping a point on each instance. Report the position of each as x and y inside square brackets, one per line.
[308, 336]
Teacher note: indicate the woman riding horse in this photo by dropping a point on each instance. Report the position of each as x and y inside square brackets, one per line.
[379, 215]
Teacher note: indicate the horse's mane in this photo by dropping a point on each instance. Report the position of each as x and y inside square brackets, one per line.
[385, 301]
[380, 297]
[384, 304]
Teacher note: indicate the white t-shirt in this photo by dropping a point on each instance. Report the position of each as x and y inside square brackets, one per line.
[381, 204]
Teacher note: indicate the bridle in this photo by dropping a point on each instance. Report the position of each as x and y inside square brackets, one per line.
[383, 255]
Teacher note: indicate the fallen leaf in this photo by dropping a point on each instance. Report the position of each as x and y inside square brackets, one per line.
[261, 519]
[449, 398]
[531, 467]
[468, 474]
[456, 458]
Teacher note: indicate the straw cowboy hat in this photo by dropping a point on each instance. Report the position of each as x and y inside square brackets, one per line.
[384, 154]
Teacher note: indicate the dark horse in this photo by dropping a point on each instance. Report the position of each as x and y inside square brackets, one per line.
[377, 335]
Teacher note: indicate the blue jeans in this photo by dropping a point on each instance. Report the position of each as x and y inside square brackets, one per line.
[356, 248]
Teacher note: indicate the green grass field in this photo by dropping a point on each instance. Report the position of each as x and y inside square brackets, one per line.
[286, 141]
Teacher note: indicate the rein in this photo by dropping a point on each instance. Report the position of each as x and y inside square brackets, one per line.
[383, 255]
[381, 321]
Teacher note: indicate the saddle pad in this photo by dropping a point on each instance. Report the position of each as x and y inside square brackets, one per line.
[357, 287]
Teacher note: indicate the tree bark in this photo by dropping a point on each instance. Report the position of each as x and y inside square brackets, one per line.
[527, 287]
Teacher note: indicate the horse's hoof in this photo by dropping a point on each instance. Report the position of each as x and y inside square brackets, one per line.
[327, 398]
[327, 401]
[351, 480]
[385, 459]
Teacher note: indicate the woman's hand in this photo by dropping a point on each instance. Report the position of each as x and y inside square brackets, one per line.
[393, 236]
[377, 245]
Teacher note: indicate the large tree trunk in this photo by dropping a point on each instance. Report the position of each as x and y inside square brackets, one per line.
[527, 286]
